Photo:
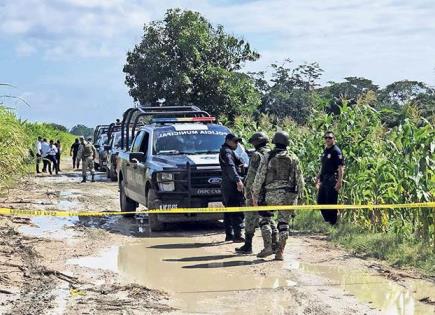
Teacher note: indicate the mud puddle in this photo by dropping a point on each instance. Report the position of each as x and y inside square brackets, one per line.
[202, 281]
[383, 294]
[50, 227]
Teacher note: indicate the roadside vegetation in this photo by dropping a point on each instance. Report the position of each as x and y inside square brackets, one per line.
[386, 133]
[17, 144]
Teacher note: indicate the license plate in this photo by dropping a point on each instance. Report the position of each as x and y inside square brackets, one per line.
[207, 191]
[215, 205]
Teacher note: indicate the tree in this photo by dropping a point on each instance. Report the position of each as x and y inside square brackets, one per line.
[292, 92]
[350, 91]
[82, 130]
[397, 98]
[184, 60]
[58, 127]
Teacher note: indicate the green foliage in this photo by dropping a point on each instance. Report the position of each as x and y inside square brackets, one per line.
[82, 130]
[184, 60]
[17, 144]
[387, 246]
[382, 165]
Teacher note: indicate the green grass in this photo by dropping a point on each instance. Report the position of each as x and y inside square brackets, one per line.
[396, 251]
[17, 141]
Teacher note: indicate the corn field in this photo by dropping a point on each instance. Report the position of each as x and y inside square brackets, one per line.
[382, 165]
[17, 142]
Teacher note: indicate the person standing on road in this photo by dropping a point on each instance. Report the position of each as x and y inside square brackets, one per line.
[52, 158]
[232, 188]
[73, 152]
[58, 154]
[45, 149]
[38, 154]
[87, 154]
[330, 178]
[259, 140]
[281, 176]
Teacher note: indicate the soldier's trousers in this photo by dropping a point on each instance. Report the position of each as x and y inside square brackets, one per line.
[278, 197]
[251, 218]
[87, 163]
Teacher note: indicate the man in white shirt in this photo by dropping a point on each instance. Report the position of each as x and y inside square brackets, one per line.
[45, 148]
[52, 157]
[38, 153]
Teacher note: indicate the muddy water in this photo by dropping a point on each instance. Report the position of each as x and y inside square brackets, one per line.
[200, 280]
[205, 280]
[386, 295]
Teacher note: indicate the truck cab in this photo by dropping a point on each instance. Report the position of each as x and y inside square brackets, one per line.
[172, 162]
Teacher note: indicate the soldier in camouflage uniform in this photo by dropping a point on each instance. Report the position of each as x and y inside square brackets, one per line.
[281, 176]
[87, 154]
[259, 140]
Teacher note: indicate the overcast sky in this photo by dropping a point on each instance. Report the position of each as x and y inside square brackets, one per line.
[65, 57]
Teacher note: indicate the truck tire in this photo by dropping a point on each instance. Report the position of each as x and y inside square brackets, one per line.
[127, 204]
[153, 221]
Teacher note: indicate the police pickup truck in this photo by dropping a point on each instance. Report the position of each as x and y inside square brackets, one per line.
[172, 162]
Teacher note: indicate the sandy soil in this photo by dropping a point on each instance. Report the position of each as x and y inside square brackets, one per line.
[112, 265]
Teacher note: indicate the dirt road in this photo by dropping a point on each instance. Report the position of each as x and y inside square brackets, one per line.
[112, 265]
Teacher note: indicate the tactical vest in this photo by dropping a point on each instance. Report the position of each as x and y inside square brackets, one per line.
[87, 149]
[279, 169]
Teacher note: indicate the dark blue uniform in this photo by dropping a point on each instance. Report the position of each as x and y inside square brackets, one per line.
[230, 166]
[332, 158]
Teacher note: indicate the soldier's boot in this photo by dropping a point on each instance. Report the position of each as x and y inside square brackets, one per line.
[84, 179]
[247, 247]
[267, 250]
[275, 241]
[93, 178]
[280, 251]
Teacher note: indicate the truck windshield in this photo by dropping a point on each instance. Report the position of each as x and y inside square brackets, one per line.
[188, 141]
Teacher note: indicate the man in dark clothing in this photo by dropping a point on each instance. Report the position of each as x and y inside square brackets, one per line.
[232, 188]
[58, 154]
[73, 152]
[330, 178]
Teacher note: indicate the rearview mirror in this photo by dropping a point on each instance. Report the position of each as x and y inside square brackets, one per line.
[135, 157]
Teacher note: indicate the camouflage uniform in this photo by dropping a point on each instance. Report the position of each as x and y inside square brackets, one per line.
[251, 217]
[281, 176]
[87, 154]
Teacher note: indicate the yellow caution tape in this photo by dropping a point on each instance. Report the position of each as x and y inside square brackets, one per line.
[57, 213]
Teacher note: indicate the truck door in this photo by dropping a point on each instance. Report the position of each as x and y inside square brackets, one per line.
[141, 169]
[131, 168]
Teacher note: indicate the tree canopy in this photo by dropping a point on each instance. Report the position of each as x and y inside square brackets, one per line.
[184, 60]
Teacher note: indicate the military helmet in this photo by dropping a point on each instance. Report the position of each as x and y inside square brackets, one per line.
[281, 137]
[258, 138]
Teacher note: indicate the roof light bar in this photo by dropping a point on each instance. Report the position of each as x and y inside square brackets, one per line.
[183, 119]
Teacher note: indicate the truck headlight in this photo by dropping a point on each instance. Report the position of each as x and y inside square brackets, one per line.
[166, 181]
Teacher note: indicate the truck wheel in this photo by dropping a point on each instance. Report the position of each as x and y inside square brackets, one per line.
[153, 221]
[127, 204]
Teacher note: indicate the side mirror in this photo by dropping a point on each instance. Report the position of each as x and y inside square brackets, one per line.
[136, 157]
[107, 147]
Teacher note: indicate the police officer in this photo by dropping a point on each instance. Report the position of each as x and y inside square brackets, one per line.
[87, 154]
[281, 176]
[232, 188]
[330, 178]
[259, 140]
